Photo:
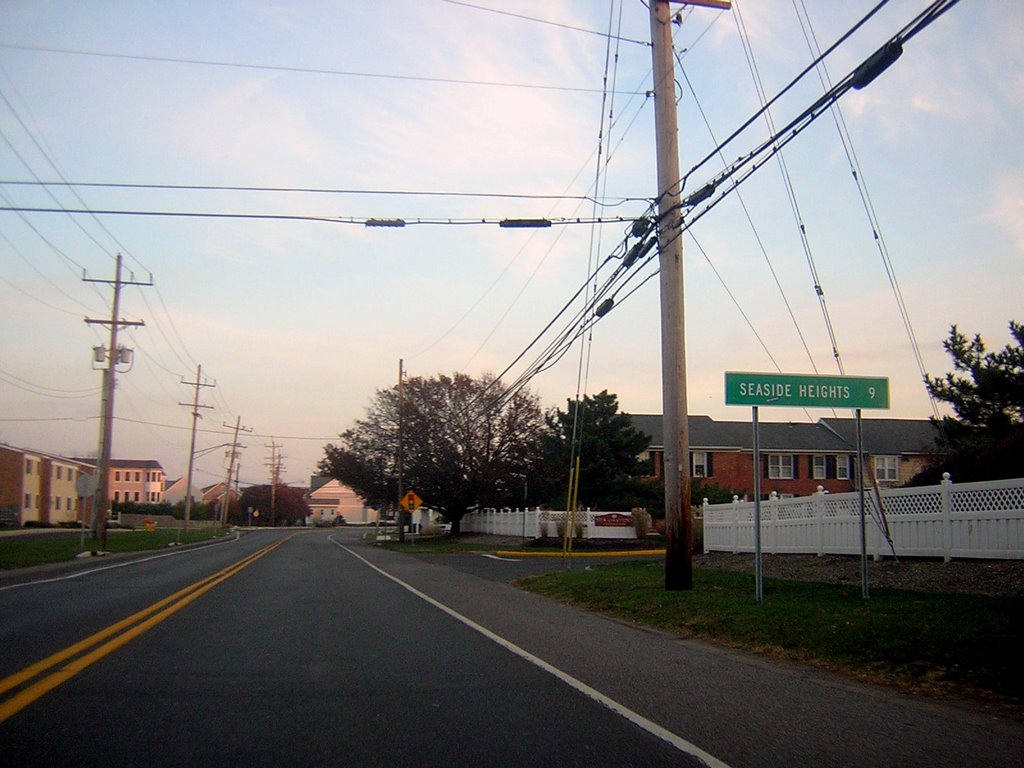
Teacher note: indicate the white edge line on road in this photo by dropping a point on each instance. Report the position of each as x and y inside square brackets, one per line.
[79, 574]
[620, 709]
[496, 557]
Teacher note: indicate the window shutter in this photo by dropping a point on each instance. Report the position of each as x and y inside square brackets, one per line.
[710, 467]
[830, 467]
[764, 466]
[796, 467]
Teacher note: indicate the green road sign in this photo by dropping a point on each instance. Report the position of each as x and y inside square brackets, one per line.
[785, 389]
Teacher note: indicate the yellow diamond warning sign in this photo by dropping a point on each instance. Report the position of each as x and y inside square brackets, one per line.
[410, 501]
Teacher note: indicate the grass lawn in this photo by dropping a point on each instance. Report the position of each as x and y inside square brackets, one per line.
[20, 552]
[955, 645]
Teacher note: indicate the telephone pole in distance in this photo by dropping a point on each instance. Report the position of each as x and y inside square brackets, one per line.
[198, 384]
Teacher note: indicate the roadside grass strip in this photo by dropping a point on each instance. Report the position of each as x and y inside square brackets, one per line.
[16, 552]
[86, 652]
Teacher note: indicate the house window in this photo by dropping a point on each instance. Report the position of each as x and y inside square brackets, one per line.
[117, 476]
[28, 501]
[843, 467]
[887, 468]
[699, 461]
[117, 496]
[60, 472]
[136, 495]
[138, 477]
[28, 466]
[780, 466]
[56, 503]
[819, 469]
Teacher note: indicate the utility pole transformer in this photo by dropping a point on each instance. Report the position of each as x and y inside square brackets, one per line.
[675, 426]
[101, 497]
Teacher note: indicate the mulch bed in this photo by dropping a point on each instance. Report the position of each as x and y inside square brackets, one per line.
[978, 577]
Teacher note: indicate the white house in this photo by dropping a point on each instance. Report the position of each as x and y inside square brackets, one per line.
[329, 500]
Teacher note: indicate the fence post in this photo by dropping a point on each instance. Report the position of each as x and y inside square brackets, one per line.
[819, 519]
[773, 517]
[703, 524]
[945, 488]
[735, 524]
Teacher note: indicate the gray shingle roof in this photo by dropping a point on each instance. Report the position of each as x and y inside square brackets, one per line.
[888, 436]
[881, 436]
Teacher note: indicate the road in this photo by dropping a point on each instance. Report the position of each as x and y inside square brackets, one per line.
[315, 648]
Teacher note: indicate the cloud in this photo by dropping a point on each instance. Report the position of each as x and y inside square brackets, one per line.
[1007, 207]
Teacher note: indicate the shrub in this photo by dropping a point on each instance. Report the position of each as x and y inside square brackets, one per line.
[641, 522]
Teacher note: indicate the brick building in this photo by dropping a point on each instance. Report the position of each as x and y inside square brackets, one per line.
[39, 487]
[138, 480]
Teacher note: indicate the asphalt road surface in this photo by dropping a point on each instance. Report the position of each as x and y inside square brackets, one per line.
[314, 648]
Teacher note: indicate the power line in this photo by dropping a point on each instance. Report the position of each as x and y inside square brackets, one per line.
[372, 222]
[534, 19]
[700, 202]
[794, 204]
[300, 70]
[53, 165]
[41, 389]
[316, 190]
[753, 229]
[869, 209]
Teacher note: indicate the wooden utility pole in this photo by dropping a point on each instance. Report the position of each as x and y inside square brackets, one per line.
[112, 356]
[232, 455]
[198, 384]
[675, 427]
[276, 465]
[401, 488]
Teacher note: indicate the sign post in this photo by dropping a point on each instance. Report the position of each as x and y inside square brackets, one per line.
[410, 503]
[803, 391]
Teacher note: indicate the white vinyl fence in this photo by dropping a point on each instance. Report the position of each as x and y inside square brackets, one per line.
[968, 520]
[534, 523]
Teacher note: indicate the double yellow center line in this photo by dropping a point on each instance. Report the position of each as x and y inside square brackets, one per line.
[87, 652]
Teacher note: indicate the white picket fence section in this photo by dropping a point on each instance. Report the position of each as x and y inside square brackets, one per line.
[532, 523]
[966, 520]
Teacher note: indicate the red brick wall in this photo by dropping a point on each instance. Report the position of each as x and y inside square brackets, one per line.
[11, 469]
[734, 469]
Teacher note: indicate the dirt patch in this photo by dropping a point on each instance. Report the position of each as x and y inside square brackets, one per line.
[976, 577]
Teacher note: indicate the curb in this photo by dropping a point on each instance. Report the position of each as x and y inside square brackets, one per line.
[624, 553]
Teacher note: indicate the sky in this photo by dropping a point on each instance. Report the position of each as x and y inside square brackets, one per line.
[516, 109]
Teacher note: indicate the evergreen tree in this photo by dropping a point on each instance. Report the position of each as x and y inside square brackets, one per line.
[608, 447]
[985, 439]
